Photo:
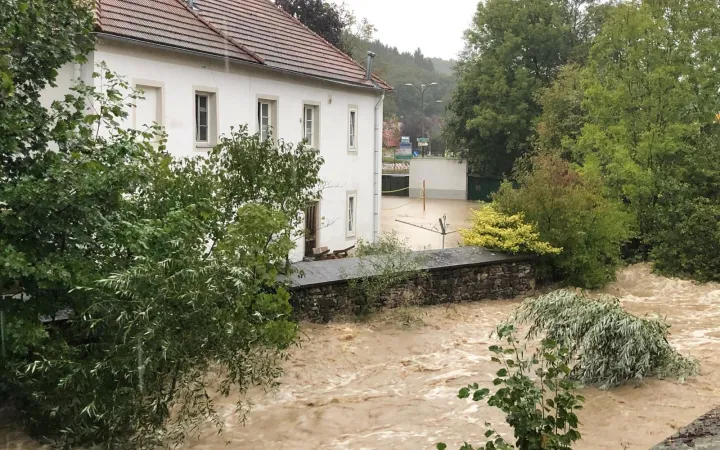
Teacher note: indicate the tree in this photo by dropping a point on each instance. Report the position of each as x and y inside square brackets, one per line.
[570, 212]
[325, 19]
[607, 345]
[133, 283]
[514, 48]
[355, 34]
[651, 94]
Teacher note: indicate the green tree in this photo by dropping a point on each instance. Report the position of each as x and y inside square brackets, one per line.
[134, 284]
[322, 17]
[651, 95]
[514, 48]
[570, 211]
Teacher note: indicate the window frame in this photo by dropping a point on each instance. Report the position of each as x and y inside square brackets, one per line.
[213, 118]
[273, 107]
[198, 126]
[315, 124]
[352, 121]
[351, 214]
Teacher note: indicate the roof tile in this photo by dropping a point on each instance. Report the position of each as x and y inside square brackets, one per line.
[247, 30]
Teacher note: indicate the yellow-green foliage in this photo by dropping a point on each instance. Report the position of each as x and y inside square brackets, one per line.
[504, 233]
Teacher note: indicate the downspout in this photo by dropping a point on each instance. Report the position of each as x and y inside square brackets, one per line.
[377, 143]
[376, 177]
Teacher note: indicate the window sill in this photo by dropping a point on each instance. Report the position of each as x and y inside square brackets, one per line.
[352, 151]
[204, 145]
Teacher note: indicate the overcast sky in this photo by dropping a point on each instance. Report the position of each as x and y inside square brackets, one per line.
[435, 26]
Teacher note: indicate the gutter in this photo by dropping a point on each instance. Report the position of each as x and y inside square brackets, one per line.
[377, 158]
[150, 44]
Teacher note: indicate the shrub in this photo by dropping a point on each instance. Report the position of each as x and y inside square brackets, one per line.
[155, 276]
[504, 233]
[609, 345]
[382, 266]
[570, 212]
[536, 394]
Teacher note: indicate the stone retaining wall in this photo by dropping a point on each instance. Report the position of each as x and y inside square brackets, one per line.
[460, 280]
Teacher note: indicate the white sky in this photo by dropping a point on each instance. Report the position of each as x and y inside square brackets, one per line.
[435, 26]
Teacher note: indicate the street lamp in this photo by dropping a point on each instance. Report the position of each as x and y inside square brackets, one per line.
[422, 89]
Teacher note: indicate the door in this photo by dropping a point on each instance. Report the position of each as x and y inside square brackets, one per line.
[311, 228]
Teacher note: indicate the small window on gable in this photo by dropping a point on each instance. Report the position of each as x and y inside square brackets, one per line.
[350, 226]
[267, 118]
[205, 118]
[311, 126]
[353, 130]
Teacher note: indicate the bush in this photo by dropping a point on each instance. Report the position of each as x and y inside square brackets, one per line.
[156, 277]
[570, 212]
[536, 394]
[504, 233]
[382, 266]
[609, 345]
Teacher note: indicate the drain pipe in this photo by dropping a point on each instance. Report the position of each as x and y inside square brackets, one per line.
[376, 177]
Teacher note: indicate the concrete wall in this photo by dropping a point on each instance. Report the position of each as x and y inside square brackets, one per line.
[444, 178]
[177, 76]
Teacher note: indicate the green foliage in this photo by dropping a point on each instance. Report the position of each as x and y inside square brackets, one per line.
[156, 277]
[536, 394]
[570, 212]
[563, 115]
[322, 17]
[514, 48]
[382, 266]
[608, 345]
[504, 233]
[651, 95]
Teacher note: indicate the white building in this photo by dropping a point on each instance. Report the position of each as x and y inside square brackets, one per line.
[207, 65]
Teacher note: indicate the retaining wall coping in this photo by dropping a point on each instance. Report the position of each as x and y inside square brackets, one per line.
[320, 273]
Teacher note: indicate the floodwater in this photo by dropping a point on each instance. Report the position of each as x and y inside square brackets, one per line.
[406, 217]
[378, 385]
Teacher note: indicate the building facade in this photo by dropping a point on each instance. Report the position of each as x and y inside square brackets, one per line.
[199, 81]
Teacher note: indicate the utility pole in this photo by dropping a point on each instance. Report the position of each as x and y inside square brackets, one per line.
[422, 89]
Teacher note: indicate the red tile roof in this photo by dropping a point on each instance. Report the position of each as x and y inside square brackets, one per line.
[253, 31]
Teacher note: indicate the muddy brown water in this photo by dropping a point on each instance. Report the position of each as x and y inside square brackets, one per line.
[377, 385]
[416, 221]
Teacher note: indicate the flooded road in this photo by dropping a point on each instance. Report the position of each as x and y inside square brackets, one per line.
[376, 385]
[410, 212]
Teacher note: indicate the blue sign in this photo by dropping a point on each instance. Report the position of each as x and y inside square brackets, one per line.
[416, 153]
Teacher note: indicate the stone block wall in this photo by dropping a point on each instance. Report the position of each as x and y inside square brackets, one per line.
[498, 280]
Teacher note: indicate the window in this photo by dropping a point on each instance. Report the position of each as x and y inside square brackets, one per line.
[205, 117]
[264, 119]
[311, 125]
[351, 214]
[353, 130]
[148, 110]
[202, 117]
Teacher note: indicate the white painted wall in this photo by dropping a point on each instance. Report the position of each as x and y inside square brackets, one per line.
[444, 178]
[238, 87]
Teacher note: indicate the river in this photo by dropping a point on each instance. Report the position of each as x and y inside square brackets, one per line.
[378, 385]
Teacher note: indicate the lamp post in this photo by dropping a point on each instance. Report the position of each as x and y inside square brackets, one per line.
[422, 89]
[444, 130]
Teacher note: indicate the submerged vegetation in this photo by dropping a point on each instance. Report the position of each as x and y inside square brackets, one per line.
[608, 345]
